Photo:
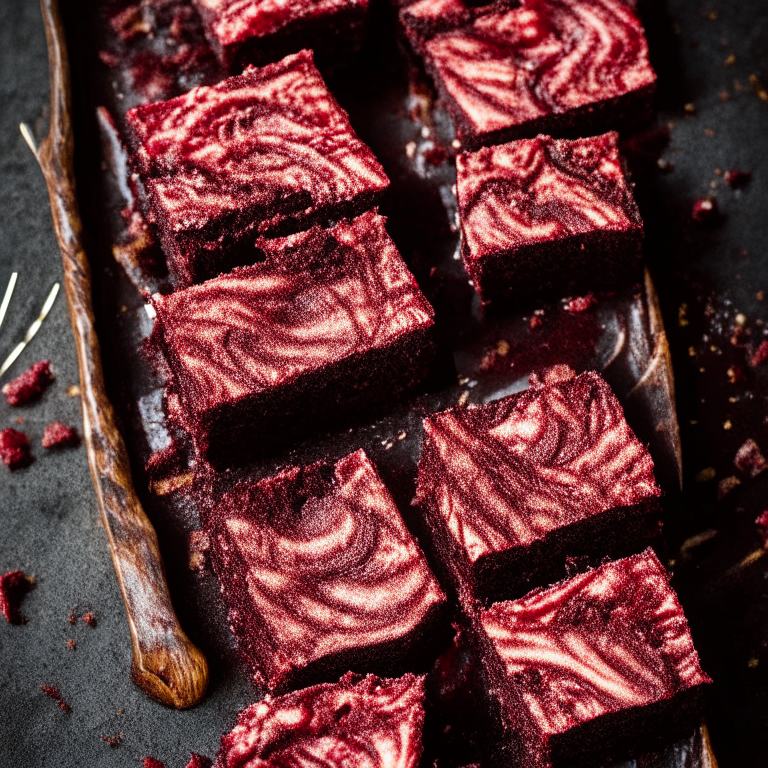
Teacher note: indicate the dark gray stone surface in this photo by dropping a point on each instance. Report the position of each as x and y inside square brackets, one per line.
[48, 517]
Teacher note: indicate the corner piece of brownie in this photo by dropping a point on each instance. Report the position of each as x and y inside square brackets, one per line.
[269, 151]
[321, 575]
[370, 722]
[545, 218]
[515, 488]
[259, 31]
[594, 668]
[565, 67]
[330, 322]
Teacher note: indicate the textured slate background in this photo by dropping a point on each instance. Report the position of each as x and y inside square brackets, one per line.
[48, 516]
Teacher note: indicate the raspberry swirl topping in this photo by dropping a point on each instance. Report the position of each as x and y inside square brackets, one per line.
[509, 472]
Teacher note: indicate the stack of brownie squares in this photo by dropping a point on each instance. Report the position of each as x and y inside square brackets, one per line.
[293, 308]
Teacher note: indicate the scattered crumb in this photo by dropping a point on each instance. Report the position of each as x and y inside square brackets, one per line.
[198, 761]
[705, 475]
[705, 211]
[724, 95]
[759, 295]
[71, 644]
[753, 663]
[758, 88]
[55, 694]
[118, 712]
[581, 303]
[30, 385]
[151, 762]
[736, 178]
[735, 374]
[72, 619]
[502, 347]
[15, 449]
[198, 547]
[113, 741]
[759, 355]
[14, 585]
[762, 527]
[726, 485]
[690, 108]
[730, 60]
[749, 459]
[436, 156]
[463, 398]
[73, 390]
[682, 315]
[59, 435]
[727, 424]
[90, 619]
[709, 133]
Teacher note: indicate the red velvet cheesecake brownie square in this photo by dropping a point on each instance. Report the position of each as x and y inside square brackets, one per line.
[514, 488]
[371, 722]
[330, 322]
[595, 667]
[269, 151]
[259, 31]
[565, 67]
[322, 576]
[546, 218]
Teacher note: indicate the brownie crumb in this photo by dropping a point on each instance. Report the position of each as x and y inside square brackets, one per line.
[72, 619]
[737, 179]
[13, 586]
[749, 459]
[90, 619]
[762, 527]
[55, 694]
[113, 741]
[30, 385]
[198, 761]
[151, 762]
[71, 644]
[705, 211]
[15, 449]
[59, 435]
[581, 303]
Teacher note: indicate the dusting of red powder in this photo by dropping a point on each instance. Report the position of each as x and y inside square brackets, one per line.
[59, 435]
[55, 694]
[30, 385]
[13, 586]
[14, 449]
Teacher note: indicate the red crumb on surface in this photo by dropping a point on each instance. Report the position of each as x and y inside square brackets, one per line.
[30, 385]
[54, 693]
[90, 619]
[151, 762]
[737, 179]
[71, 644]
[198, 761]
[436, 156]
[759, 355]
[749, 459]
[762, 527]
[72, 619]
[705, 211]
[113, 741]
[15, 449]
[13, 586]
[581, 303]
[59, 435]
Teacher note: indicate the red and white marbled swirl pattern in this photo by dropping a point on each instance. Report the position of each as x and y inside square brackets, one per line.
[251, 142]
[234, 21]
[507, 473]
[375, 723]
[321, 575]
[605, 641]
[320, 296]
[510, 67]
[535, 190]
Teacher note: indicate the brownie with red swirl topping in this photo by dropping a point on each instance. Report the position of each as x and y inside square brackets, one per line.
[519, 490]
[329, 323]
[267, 152]
[594, 668]
[370, 722]
[545, 218]
[322, 576]
[564, 67]
[245, 32]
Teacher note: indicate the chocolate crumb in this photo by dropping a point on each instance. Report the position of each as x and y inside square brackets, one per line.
[55, 694]
[72, 619]
[113, 741]
[90, 619]
[71, 644]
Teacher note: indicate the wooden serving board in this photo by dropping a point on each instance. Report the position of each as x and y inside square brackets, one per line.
[479, 359]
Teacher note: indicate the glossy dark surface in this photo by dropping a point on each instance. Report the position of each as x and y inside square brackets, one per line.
[49, 512]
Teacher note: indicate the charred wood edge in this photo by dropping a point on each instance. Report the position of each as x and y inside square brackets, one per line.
[166, 665]
[657, 386]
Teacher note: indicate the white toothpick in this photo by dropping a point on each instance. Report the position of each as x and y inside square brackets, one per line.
[7, 297]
